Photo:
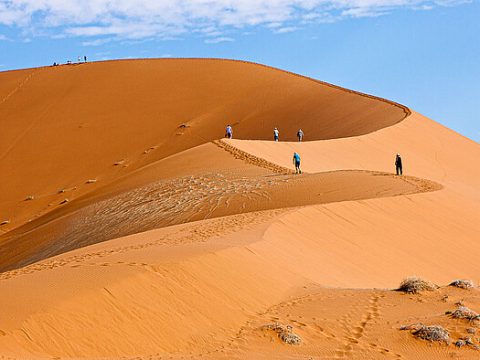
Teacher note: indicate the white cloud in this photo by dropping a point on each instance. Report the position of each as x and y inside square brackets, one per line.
[218, 40]
[166, 19]
[286, 29]
[97, 42]
[3, 38]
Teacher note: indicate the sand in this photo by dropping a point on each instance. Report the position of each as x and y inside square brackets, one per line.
[183, 245]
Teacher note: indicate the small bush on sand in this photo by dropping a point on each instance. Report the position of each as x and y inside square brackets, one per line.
[285, 333]
[430, 333]
[464, 312]
[463, 284]
[415, 285]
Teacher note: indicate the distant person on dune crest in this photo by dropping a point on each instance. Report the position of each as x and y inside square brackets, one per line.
[296, 162]
[229, 132]
[300, 135]
[398, 164]
[275, 134]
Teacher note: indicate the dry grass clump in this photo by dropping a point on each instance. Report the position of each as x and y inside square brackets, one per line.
[29, 198]
[430, 333]
[285, 333]
[463, 284]
[91, 181]
[464, 312]
[415, 285]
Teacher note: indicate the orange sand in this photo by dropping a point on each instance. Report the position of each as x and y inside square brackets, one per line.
[185, 246]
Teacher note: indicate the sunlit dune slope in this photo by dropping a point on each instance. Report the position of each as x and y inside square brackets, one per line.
[63, 126]
[235, 241]
[151, 199]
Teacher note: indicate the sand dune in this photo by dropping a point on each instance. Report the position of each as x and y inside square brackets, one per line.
[185, 246]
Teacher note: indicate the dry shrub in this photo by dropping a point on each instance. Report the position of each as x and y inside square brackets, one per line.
[464, 312]
[463, 284]
[285, 333]
[415, 285]
[432, 333]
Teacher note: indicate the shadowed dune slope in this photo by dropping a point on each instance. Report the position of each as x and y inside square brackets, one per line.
[151, 199]
[237, 240]
[69, 124]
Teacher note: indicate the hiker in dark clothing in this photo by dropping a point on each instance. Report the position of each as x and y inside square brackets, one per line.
[300, 135]
[398, 164]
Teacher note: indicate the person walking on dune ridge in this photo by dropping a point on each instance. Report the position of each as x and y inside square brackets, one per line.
[296, 162]
[300, 135]
[229, 132]
[398, 164]
[275, 134]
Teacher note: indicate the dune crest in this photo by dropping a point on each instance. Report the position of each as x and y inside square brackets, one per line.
[135, 231]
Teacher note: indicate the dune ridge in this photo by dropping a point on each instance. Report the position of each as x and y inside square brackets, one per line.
[186, 246]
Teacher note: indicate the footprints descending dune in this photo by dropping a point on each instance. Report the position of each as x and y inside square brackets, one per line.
[252, 159]
[193, 233]
[19, 86]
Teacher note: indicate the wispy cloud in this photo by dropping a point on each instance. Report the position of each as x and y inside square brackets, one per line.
[286, 29]
[218, 40]
[96, 20]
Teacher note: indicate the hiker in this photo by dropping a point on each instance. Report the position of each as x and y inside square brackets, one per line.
[275, 134]
[300, 135]
[229, 132]
[296, 162]
[85, 58]
[398, 164]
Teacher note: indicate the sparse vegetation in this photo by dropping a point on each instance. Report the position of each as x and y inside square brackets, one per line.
[285, 333]
[91, 181]
[429, 333]
[462, 284]
[5, 222]
[415, 285]
[29, 197]
[463, 312]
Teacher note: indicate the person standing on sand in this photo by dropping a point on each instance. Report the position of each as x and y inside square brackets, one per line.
[398, 164]
[296, 162]
[275, 134]
[85, 58]
[229, 132]
[300, 135]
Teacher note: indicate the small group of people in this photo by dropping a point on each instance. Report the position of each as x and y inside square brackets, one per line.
[69, 62]
[296, 156]
[276, 133]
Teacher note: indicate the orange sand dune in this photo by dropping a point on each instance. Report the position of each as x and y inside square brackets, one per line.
[238, 188]
[70, 124]
[235, 240]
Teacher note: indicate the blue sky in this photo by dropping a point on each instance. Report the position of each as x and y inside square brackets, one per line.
[424, 54]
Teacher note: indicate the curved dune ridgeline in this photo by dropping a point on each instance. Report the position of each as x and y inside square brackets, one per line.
[131, 230]
[69, 124]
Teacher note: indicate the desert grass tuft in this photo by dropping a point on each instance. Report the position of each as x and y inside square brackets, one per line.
[285, 333]
[463, 312]
[462, 284]
[429, 333]
[415, 285]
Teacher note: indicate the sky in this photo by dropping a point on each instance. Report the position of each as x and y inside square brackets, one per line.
[424, 54]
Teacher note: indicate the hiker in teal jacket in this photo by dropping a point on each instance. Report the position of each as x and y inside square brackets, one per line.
[296, 162]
